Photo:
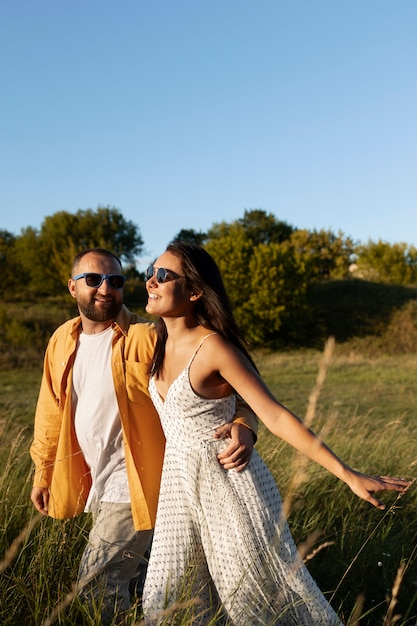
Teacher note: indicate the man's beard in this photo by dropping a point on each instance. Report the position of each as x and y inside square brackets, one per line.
[88, 308]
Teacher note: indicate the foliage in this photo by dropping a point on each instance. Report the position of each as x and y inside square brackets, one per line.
[12, 274]
[191, 235]
[253, 267]
[25, 328]
[372, 317]
[402, 330]
[232, 252]
[287, 286]
[357, 308]
[388, 263]
[257, 226]
[268, 268]
[46, 256]
[261, 227]
[322, 254]
[399, 336]
[277, 291]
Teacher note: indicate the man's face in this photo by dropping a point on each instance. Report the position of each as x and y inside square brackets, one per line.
[98, 304]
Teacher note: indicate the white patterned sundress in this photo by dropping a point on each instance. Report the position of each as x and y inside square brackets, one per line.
[220, 536]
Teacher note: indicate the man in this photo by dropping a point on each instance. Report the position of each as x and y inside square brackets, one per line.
[98, 444]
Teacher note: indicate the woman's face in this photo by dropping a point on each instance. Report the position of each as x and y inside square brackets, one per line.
[170, 298]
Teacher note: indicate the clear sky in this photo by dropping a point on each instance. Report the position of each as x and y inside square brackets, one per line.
[182, 113]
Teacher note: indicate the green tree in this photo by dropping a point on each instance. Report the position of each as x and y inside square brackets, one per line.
[387, 263]
[321, 254]
[263, 281]
[268, 268]
[191, 235]
[13, 277]
[47, 254]
[232, 252]
[258, 226]
[277, 292]
[262, 227]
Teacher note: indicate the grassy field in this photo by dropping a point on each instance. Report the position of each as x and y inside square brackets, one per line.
[364, 559]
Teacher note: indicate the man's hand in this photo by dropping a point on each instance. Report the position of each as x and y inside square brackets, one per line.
[237, 454]
[40, 498]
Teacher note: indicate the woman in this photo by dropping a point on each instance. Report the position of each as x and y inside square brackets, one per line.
[222, 536]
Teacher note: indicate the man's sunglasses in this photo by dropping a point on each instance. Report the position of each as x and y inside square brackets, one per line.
[116, 281]
[161, 273]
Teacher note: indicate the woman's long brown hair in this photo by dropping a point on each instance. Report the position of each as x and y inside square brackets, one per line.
[212, 310]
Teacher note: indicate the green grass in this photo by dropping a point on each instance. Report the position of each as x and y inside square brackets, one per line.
[385, 386]
[366, 413]
[18, 394]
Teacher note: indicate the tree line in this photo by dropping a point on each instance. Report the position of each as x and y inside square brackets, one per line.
[272, 270]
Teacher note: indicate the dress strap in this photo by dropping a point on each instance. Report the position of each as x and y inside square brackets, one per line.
[199, 346]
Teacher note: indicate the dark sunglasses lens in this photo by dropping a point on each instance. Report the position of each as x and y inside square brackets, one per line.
[161, 275]
[93, 280]
[116, 281]
[149, 272]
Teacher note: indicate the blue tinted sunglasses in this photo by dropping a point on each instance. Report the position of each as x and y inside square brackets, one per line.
[162, 274]
[116, 281]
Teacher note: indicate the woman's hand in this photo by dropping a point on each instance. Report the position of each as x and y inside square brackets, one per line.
[366, 486]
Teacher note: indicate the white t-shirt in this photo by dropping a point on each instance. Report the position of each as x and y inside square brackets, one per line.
[97, 419]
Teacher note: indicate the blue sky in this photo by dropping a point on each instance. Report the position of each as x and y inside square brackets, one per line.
[182, 113]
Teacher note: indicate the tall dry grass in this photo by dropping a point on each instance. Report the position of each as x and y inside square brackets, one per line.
[363, 559]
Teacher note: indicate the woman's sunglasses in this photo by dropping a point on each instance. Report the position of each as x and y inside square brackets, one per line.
[116, 281]
[161, 273]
